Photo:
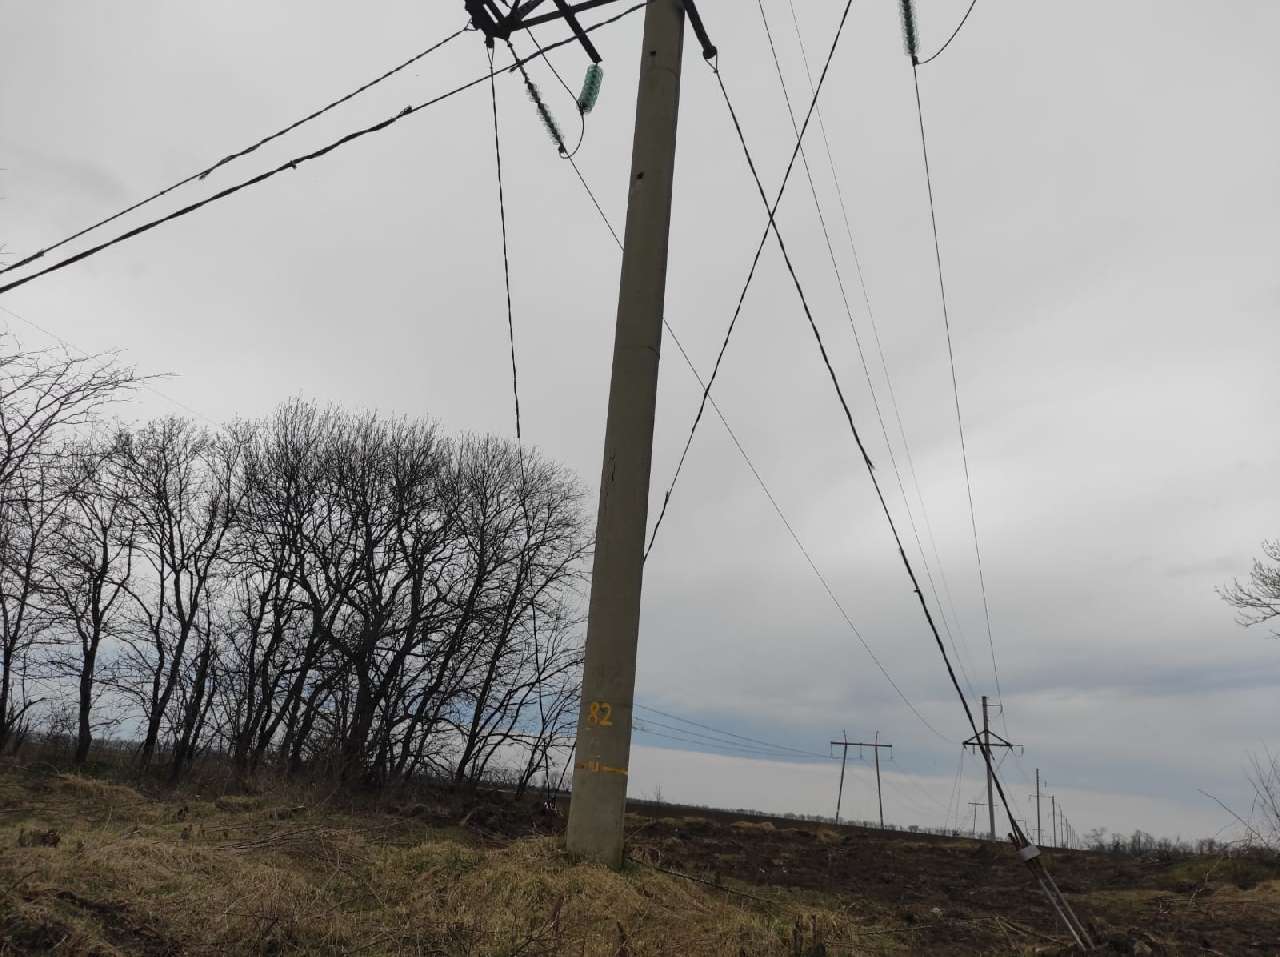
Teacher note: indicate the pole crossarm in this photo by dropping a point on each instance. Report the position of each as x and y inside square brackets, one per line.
[975, 741]
[498, 24]
[862, 744]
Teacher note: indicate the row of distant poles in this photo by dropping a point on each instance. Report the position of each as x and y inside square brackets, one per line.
[1062, 834]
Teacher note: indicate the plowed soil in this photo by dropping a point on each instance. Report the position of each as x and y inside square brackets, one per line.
[962, 896]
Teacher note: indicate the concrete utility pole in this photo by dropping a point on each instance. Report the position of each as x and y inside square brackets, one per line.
[975, 805]
[879, 795]
[844, 756]
[1054, 803]
[613, 618]
[1039, 830]
[985, 744]
[845, 743]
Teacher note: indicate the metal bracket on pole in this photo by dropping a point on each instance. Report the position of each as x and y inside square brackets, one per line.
[571, 18]
[709, 51]
[497, 24]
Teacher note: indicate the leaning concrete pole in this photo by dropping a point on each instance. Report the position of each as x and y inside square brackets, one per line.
[613, 618]
[986, 739]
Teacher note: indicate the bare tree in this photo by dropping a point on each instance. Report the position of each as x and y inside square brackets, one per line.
[1257, 600]
[291, 515]
[26, 518]
[45, 394]
[183, 485]
[324, 589]
[196, 691]
[1264, 775]
[262, 647]
[538, 537]
[92, 558]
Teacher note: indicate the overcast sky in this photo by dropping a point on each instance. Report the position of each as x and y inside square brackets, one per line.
[1106, 186]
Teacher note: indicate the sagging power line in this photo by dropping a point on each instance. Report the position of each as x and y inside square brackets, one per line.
[297, 161]
[704, 385]
[238, 154]
[908, 20]
[884, 364]
[1028, 851]
[954, 33]
[866, 369]
[772, 210]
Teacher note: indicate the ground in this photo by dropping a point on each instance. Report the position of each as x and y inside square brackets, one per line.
[88, 866]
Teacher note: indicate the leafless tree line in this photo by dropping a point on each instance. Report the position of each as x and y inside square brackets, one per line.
[315, 589]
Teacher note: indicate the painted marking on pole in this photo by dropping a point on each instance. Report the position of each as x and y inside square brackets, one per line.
[601, 713]
[599, 768]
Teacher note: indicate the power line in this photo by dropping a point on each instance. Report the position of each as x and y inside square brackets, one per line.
[955, 387]
[727, 750]
[795, 537]
[954, 33]
[884, 365]
[299, 160]
[511, 327]
[739, 737]
[506, 259]
[919, 789]
[755, 261]
[707, 399]
[953, 803]
[696, 738]
[240, 153]
[866, 369]
[857, 436]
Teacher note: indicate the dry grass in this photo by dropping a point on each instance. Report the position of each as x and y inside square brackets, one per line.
[130, 874]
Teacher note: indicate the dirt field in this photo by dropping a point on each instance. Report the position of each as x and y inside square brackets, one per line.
[91, 867]
[950, 889]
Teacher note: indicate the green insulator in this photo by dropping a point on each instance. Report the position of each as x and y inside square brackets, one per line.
[590, 88]
[909, 28]
[544, 114]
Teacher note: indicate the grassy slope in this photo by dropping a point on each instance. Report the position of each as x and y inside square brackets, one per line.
[132, 874]
[91, 867]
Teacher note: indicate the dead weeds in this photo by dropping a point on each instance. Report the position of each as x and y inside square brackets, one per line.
[133, 874]
[89, 867]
